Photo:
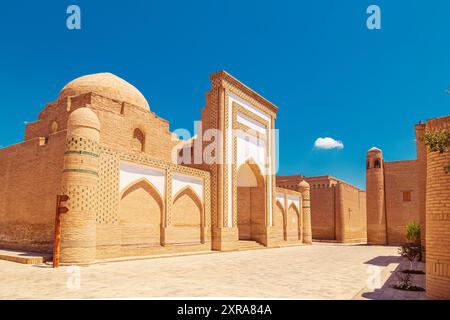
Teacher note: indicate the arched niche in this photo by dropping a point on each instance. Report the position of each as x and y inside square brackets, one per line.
[140, 214]
[187, 220]
[251, 201]
[293, 223]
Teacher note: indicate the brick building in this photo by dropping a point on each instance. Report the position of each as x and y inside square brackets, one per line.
[400, 192]
[100, 144]
[392, 198]
[338, 209]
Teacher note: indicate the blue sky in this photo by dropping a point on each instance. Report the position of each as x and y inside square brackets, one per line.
[316, 60]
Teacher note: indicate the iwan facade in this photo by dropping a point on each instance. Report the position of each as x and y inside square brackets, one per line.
[100, 145]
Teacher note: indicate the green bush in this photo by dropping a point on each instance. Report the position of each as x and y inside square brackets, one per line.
[413, 232]
[438, 142]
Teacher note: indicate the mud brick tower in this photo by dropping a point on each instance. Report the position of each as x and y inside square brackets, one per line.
[376, 217]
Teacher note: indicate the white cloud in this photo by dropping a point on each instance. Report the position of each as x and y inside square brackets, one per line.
[328, 143]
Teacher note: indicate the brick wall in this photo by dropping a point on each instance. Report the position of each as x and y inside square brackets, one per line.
[400, 177]
[323, 213]
[30, 179]
[338, 209]
[351, 221]
[438, 218]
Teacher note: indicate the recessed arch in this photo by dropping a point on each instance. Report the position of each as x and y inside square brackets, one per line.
[254, 168]
[280, 205]
[127, 189]
[377, 163]
[187, 217]
[251, 202]
[278, 220]
[293, 223]
[140, 214]
[190, 192]
[138, 142]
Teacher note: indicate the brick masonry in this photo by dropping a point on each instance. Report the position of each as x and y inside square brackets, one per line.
[399, 192]
[338, 209]
[438, 218]
[78, 146]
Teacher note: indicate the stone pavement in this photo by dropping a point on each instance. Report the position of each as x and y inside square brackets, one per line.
[320, 271]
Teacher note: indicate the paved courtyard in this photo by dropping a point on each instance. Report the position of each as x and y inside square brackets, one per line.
[320, 271]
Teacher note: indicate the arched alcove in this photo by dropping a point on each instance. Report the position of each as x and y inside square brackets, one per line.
[293, 223]
[138, 143]
[377, 163]
[140, 214]
[251, 202]
[278, 220]
[187, 217]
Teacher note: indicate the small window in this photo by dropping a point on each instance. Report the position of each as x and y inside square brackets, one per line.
[377, 163]
[368, 164]
[406, 195]
[138, 140]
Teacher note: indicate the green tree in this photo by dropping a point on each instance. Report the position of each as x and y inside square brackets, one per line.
[438, 142]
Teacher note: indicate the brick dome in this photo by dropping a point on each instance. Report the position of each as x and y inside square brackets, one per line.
[83, 117]
[107, 85]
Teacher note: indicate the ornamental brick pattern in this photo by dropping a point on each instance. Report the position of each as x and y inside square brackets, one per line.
[79, 182]
[114, 158]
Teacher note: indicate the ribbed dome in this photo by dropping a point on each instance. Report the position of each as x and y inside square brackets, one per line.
[107, 85]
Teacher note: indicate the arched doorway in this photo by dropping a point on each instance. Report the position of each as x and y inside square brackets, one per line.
[251, 203]
[279, 221]
[140, 211]
[293, 223]
[187, 217]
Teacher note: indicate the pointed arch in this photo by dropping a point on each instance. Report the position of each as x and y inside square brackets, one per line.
[294, 206]
[279, 211]
[140, 214]
[293, 222]
[142, 181]
[138, 142]
[251, 201]
[187, 190]
[280, 204]
[187, 217]
[254, 167]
